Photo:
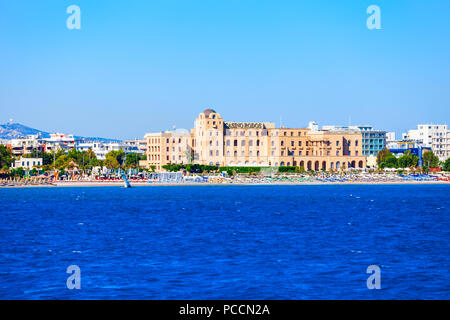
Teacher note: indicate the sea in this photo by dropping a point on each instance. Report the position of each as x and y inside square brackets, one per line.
[226, 242]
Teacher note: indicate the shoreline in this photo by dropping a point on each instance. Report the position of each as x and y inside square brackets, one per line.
[146, 184]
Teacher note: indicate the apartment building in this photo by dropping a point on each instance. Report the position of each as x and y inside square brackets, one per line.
[434, 136]
[167, 147]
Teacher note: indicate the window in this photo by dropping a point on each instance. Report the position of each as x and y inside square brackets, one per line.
[292, 143]
[235, 143]
[243, 143]
[337, 143]
[337, 152]
[299, 143]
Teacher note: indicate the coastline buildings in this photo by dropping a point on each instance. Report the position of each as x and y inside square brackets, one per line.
[214, 141]
[101, 148]
[373, 140]
[434, 136]
[26, 145]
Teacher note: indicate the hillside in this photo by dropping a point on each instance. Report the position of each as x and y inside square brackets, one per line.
[12, 130]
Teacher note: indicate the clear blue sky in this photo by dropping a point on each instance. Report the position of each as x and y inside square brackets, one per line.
[143, 66]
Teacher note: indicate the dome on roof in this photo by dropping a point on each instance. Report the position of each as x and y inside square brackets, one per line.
[208, 111]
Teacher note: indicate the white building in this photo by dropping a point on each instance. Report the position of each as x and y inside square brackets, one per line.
[27, 163]
[101, 148]
[434, 136]
[61, 140]
[26, 145]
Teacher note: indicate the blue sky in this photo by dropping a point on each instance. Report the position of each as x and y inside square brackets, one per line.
[143, 66]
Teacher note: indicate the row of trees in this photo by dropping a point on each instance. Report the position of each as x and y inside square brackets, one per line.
[386, 159]
[82, 160]
[197, 168]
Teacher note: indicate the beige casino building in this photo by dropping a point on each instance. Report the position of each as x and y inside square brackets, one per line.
[214, 141]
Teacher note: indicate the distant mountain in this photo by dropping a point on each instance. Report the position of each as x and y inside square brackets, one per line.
[16, 130]
[12, 130]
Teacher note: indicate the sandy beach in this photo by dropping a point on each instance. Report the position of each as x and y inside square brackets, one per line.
[146, 184]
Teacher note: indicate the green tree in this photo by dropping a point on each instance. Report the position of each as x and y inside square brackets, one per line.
[408, 160]
[446, 166]
[19, 172]
[132, 160]
[390, 161]
[430, 159]
[6, 157]
[382, 155]
[114, 159]
[47, 157]
[173, 167]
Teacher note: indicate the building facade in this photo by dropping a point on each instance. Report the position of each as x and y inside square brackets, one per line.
[434, 136]
[214, 141]
[102, 148]
[168, 147]
[373, 140]
[27, 163]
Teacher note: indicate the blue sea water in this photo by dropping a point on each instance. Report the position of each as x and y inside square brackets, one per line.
[226, 242]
